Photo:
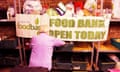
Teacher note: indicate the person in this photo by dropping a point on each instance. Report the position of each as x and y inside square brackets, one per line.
[114, 58]
[42, 48]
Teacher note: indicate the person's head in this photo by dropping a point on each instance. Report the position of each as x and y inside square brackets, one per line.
[43, 29]
[44, 24]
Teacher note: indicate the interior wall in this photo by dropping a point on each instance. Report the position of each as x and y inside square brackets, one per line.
[52, 3]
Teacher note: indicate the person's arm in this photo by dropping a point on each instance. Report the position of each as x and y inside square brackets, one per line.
[32, 42]
[113, 57]
[58, 42]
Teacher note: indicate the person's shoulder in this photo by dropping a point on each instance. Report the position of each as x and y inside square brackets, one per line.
[51, 37]
[34, 37]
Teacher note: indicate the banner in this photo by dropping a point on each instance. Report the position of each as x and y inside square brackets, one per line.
[68, 29]
[79, 29]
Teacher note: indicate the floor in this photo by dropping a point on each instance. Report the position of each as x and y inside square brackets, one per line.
[8, 69]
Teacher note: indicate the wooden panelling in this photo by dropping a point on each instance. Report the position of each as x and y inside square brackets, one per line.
[114, 30]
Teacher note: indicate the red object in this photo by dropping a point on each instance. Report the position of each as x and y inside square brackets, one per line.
[45, 6]
[78, 5]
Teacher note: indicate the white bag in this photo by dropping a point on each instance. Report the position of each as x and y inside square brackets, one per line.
[31, 6]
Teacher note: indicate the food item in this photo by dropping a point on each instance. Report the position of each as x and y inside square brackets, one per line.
[52, 12]
[87, 13]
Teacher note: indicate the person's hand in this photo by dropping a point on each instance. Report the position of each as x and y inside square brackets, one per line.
[117, 66]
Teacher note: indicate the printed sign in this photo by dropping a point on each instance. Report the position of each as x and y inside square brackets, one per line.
[68, 29]
[79, 29]
[27, 25]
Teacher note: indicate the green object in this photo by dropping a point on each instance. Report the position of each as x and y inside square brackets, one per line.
[52, 12]
[37, 21]
[115, 43]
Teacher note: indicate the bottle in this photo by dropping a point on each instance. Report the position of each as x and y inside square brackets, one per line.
[69, 10]
[10, 12]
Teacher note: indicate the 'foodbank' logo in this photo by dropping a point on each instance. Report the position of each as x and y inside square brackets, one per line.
[30, 26]
[37, 21]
